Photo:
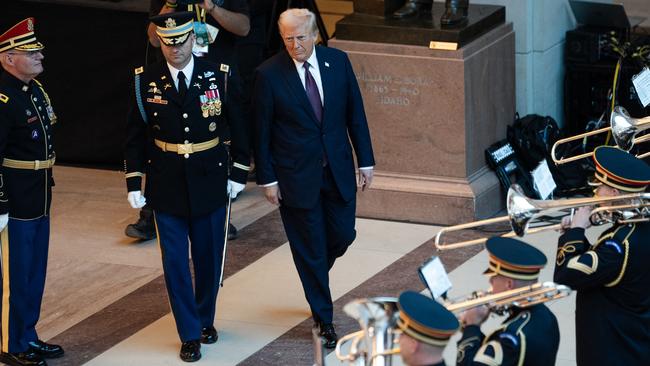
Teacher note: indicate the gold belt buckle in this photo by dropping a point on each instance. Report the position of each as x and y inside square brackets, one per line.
[185, 149]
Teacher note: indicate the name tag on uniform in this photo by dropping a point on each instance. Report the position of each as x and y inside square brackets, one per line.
[156, 101]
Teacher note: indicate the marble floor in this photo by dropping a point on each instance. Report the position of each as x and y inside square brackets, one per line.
[105, 298]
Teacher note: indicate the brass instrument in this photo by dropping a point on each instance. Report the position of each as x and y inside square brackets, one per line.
[521, 297]
[624, 129]
[374, 345]
[522, 210]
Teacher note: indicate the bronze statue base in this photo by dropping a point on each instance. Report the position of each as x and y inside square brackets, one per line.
[420, 31]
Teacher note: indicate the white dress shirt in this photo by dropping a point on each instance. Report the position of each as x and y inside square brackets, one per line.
[187, 71]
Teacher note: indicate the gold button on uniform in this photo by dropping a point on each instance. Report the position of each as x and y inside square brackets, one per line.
[184, 115]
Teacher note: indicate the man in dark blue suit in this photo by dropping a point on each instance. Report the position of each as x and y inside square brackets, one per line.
[308, 108]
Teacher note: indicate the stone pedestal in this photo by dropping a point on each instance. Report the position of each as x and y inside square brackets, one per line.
[432, 114]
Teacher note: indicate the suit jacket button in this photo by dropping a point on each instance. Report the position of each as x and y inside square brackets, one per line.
[184, 115]
[187, 156]
[187, 129]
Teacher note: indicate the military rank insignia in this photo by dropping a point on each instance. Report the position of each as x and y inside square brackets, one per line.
[210, 103]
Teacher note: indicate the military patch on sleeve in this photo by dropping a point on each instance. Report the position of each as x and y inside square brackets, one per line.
[586, 263]
[507, 337]
[490, 354]
[224, 68]
[616, 246]
[4, 98]
[139, 70]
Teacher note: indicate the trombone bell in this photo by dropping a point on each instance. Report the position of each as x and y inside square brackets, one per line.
[625, 128]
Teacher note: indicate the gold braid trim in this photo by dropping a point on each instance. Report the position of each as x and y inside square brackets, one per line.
[564, 250]
[624, 266]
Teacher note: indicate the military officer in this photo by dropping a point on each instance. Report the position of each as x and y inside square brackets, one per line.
[182, 108]
[611, 277]
[426, 328]
[27, 155]
[529, 336]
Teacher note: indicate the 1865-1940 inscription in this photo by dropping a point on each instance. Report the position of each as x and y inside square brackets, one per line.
[392, 90]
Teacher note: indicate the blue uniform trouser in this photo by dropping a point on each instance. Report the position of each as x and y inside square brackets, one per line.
[24, 264]
[193, 306]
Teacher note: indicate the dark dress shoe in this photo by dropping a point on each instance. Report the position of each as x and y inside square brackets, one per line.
[329, 335]
[143, 229]
[232, 232]
[191, 351]
[28, 358]
[209, 335]
[46, 350]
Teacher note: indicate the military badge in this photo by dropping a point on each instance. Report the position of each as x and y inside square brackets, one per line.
[35, 135]
[197, 85]
[207, 74]
[214, 102]
[50, 114]
[32, 119]
[212, 79]
[205, 106]
[167, 86]
[212, 126]
[199, 77]
[170, 23]
[213, 86]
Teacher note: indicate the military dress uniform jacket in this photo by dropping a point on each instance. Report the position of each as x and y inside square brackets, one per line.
[528, 337]
[613, 293]
[26, 119]
[185, 183]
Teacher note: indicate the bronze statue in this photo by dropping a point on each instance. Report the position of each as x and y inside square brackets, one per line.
[455, 11]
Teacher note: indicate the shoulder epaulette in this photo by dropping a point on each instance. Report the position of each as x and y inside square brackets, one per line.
[139, 70]
[4, 98]
[224, 68]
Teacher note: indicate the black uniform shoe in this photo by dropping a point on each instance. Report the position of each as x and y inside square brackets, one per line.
[144, 228]
[28, 358]
[413, 8]
[191, 351]
[209, 335]
[232, 232]
[46, 350]
[327, 332]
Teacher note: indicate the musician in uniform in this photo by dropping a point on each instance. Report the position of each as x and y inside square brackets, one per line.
[426, 328]
[182, 108]
[529, 336]
[611, 277]
[27, 155]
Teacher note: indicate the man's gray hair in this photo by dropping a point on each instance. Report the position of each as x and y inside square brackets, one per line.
[301, 16]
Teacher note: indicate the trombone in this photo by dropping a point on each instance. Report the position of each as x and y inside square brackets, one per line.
[521, 297]
[624, 129]
[522, 210]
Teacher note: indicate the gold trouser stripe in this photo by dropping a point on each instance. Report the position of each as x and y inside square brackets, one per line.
[4, 239]
[28, 164]
[188, 148]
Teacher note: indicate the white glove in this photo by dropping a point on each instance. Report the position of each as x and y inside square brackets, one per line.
[4, 220]
[136, 199]
[234, 188]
